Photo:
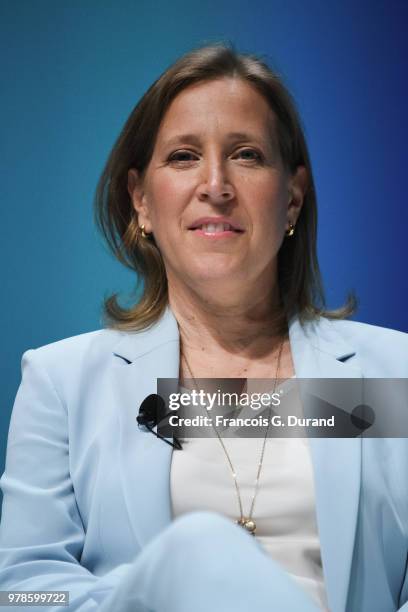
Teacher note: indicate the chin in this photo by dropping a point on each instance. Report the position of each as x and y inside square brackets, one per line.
[216, 278]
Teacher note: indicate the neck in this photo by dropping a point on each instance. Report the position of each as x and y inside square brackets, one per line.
[247, 327]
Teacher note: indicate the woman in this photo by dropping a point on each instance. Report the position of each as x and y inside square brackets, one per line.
[208, 194]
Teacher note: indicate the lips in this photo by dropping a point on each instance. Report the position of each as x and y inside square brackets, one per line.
[215, 226]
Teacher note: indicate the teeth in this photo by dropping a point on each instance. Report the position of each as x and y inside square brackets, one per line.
[215, 228]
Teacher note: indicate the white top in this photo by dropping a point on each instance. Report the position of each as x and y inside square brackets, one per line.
[284, 510]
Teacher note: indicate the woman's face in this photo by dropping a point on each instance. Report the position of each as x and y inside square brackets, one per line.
[215, 193]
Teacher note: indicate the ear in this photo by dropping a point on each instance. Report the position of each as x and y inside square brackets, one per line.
[138, 198]
[298, 185]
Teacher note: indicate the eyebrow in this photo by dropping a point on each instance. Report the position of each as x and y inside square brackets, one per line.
[194, 139]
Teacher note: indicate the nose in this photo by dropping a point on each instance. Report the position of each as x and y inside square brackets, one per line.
[215, 186]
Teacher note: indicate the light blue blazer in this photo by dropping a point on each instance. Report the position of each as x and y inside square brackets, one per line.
[85, 489]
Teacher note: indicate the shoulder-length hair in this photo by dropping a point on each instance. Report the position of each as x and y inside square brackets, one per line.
[299, 276]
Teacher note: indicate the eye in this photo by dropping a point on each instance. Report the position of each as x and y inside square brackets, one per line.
[250, 155]
[181, 156]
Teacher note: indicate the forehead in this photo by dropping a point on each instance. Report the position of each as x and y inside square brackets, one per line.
[224, 105]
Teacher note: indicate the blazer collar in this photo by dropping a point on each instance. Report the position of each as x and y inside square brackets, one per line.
[318, 338]
[134, 345]
[318, 351]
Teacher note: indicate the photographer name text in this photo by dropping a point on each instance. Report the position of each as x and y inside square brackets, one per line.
[260, 421]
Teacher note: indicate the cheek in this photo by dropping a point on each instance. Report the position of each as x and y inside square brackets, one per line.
[166, 199]
[270, 207]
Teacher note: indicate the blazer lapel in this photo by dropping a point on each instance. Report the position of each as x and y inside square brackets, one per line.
[319, 352]
[144, 460]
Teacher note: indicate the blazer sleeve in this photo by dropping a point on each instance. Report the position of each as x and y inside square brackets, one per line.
[41, 532]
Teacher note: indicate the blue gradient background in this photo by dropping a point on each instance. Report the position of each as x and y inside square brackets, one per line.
[73, 70]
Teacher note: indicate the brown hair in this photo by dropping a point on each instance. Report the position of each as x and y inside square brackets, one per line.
[299, 275]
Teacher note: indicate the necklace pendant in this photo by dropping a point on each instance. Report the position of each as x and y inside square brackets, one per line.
[248, 524]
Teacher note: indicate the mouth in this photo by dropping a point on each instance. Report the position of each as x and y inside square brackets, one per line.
[215, 229]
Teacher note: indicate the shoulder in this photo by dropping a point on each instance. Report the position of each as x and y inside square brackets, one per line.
[73, 365]
[380, 350]
[125, 344]
[77, 347]
[74, 358]
[78, 358]
[373, 335]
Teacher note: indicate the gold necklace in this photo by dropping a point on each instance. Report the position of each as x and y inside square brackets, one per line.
[247, 522]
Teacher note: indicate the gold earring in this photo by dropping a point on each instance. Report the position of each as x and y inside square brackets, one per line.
[144, 235]
[290, 231]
